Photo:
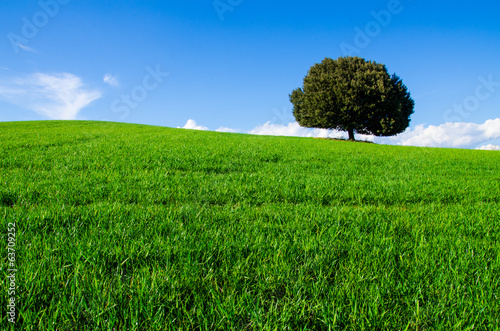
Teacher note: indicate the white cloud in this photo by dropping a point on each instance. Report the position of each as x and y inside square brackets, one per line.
[489, 147]
[191, 124]
[111, 80]
[56, 96]
[294, 129]
[225, 129]
[457, 134]
[25, 48]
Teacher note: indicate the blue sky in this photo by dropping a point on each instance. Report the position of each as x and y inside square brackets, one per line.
[229, 65]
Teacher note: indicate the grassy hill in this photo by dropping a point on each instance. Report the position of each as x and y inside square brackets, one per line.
[140, 227]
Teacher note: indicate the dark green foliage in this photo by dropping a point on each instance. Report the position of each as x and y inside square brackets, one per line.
[354, 95]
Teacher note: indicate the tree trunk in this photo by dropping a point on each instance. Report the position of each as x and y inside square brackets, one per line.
[351, 134]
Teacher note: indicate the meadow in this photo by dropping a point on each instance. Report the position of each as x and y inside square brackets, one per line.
[135, 227]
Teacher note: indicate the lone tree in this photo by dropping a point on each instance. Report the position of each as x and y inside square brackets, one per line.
[354, 95]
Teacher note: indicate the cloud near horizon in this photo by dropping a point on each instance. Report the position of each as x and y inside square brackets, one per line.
[457, 135]
[191, 124]
[293, 129]
[489, 147]
[225, 129]
[58, 96]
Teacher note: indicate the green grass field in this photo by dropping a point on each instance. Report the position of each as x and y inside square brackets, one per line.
[135, 227]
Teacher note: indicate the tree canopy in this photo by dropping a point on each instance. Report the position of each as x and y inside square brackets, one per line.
[354, 95]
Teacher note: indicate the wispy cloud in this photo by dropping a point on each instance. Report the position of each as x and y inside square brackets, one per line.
[56, 96]
[26, 48]
[111, 80]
